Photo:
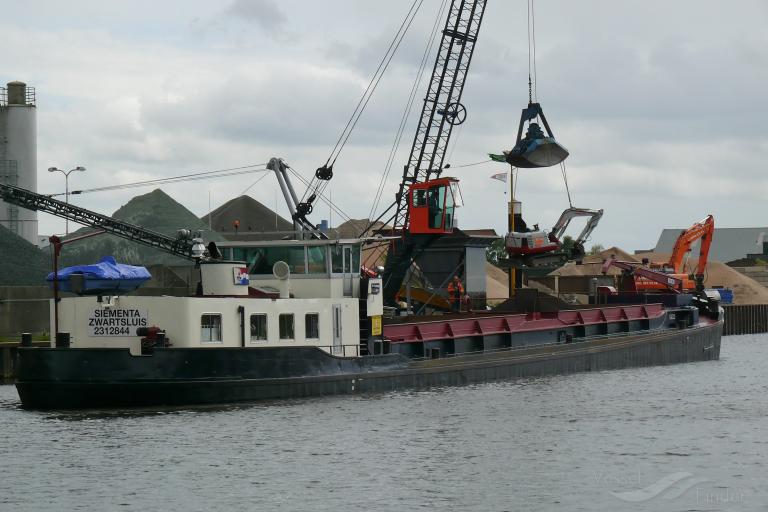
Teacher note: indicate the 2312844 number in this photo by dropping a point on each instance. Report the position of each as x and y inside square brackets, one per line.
[111, 331]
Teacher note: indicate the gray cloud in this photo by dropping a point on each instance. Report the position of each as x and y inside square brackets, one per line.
[663, 114]
[266, 14]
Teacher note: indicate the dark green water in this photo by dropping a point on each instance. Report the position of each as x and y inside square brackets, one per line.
[683, 438]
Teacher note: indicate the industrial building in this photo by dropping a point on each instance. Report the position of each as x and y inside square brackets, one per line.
[18, 155]
[728, 244]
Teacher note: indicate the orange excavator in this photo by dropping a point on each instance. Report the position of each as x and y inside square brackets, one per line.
[672, 274]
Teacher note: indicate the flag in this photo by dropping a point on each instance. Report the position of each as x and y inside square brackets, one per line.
[502, 176]
[497, 158]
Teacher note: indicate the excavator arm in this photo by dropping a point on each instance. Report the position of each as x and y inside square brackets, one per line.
[571, 213]
[672, 282]
[703, 230]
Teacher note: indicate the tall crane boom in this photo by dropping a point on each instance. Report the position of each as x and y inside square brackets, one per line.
[442, 108]
[181, 247]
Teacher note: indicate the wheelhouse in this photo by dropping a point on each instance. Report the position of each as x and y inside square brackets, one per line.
[318, 268]
[432, 206]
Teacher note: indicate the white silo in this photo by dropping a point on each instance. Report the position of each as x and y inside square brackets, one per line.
[18, 154]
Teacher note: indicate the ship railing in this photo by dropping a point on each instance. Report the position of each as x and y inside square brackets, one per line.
[342, 350]
[575, 342]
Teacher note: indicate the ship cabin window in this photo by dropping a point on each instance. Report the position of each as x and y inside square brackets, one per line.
[210, 328]
[345, 259]
[259, 327]
[261, 259]
[312, 326]
[316, 260]
[337, 259]
[286, 326]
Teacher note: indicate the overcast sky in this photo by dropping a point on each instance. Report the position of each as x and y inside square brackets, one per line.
[662, 104]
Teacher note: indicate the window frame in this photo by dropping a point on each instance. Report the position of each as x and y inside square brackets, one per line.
[280, 327]
[316, 314]
[265, 339]
[221, 327]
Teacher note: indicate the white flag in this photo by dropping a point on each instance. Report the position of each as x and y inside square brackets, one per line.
[502, 176]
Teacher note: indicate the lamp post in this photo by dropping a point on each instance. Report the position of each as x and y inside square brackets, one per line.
[66, 183]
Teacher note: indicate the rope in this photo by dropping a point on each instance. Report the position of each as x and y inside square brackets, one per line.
[472, 164]
[533, 93]
[373, 84]
[431, 42]
[372, 223]
[221, 173]
[455, 142]
[253, 184]
[533, 32]
[565, 180]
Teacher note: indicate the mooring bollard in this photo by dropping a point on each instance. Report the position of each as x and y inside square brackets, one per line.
[62, 340]
[26, 339]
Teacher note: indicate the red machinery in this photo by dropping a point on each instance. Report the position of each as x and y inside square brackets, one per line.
[672, 275]
[539, 241]
[432, 205]
[646, 279]
[703, 230]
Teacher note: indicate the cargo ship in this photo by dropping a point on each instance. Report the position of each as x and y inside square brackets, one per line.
[305, 323]
[304, 317]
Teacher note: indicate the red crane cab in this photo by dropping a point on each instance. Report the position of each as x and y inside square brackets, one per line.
[432, 205]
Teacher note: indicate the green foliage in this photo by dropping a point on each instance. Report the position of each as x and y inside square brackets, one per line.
[496, 251]
[567, 244]
[21, 263]
[596, 249]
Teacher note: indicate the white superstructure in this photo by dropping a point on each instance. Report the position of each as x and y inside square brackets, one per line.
[18, 155]
[312, 298]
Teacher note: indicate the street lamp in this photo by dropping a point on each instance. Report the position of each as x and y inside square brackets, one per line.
[66, 183]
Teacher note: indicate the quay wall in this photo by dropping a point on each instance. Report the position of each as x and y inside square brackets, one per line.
[745, 319]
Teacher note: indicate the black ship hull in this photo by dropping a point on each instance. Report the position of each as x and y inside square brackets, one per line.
[69, 378]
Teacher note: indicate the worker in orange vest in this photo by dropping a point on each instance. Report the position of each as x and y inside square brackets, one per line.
[455, 294]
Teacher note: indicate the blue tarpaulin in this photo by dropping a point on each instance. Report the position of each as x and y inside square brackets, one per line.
[107, 269]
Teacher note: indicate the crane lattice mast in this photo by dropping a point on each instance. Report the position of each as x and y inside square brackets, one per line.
[442, 108]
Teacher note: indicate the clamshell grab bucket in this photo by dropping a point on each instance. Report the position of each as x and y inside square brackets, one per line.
[537, 148]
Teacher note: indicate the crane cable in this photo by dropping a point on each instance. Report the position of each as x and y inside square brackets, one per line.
[330, 204]
[565, 180]
[221, 173]
[532, 84]
[431, 41]
[533, 94]
[373, 84]
[315, 189]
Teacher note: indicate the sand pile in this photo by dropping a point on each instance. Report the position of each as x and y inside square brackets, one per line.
[745, 289]
[496, 282]
[251, 214]
[619, 254]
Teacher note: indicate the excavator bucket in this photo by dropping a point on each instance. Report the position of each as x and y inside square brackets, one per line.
[537, 148]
